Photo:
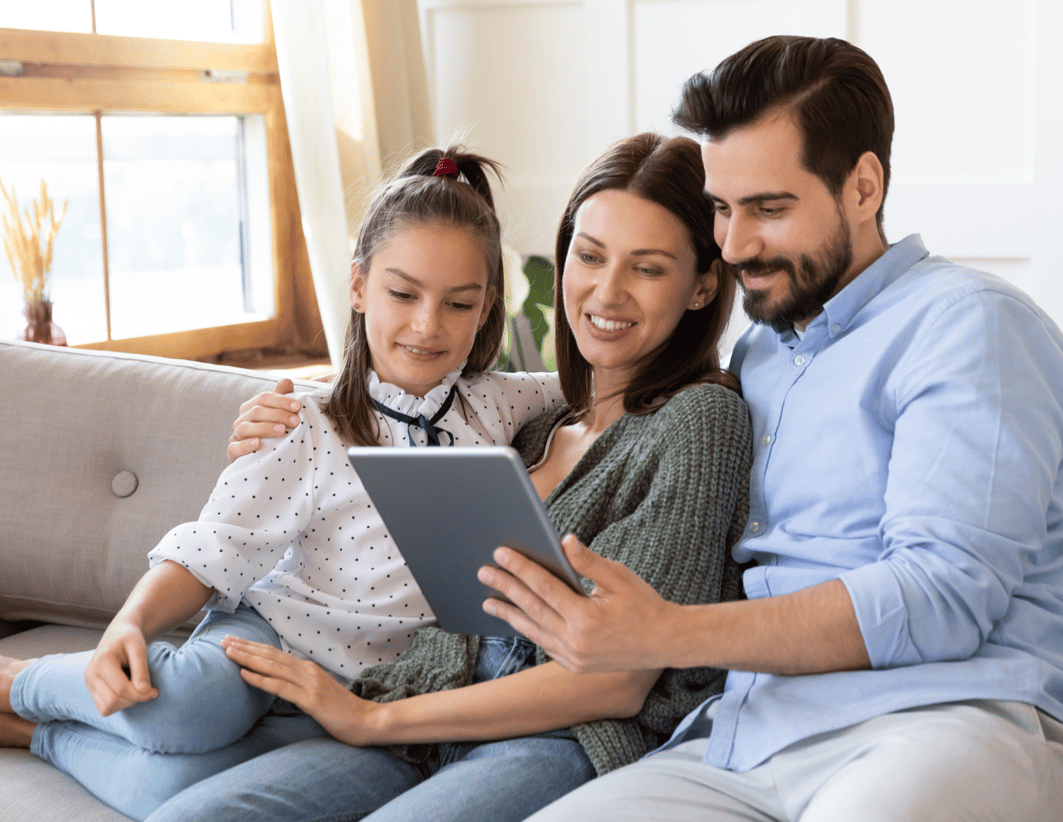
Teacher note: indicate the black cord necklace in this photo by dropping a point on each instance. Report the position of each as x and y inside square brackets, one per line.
[421, 421]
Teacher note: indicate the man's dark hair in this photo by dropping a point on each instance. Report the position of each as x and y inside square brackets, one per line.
[834, 92]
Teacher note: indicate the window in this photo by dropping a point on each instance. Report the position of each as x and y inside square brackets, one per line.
[172, 158]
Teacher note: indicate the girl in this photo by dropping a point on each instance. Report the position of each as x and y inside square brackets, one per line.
[288, 550]
[647, 464]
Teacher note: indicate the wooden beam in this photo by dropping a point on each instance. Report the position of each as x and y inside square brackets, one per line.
[64, 48]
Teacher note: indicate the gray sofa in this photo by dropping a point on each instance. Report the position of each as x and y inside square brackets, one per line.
[102, 454]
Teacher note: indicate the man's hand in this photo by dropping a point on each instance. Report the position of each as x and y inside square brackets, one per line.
[117, 675]
[619, 627]
[270, 414]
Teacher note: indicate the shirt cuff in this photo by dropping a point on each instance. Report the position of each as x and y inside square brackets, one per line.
[878, 600]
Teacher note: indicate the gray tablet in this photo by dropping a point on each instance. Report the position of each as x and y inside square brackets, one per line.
[447, 510]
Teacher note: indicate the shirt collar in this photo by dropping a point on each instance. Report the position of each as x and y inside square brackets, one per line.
[395, 398]
[840, 309]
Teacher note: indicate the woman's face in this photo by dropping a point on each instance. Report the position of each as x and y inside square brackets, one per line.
[629, 277]
[425, 297]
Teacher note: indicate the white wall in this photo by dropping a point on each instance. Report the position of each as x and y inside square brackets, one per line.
[545, 85]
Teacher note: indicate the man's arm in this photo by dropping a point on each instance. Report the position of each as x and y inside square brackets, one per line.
[625, 624]
[974, 457]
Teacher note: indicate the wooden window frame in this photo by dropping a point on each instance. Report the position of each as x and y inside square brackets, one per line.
[64, 72]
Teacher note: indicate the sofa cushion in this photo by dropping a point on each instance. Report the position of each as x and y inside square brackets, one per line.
[104, 454]
[32, 792]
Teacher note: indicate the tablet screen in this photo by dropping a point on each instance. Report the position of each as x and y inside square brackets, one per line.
[447, 510]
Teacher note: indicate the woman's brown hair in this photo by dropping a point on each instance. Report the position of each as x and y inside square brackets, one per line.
[668, 172]
[416, 197]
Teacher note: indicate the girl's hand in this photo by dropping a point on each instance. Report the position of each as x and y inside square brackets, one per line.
[309, 687]
[270, 414]
[117, 675]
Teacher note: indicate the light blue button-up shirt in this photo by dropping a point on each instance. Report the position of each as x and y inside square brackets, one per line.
[909, 444]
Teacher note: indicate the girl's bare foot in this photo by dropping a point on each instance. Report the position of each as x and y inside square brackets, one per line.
[15, 732]
[9, 669]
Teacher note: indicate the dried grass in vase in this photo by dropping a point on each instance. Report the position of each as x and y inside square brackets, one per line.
[29, 245]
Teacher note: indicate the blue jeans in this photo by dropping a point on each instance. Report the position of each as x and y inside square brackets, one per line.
[323, 780]
[205, 719]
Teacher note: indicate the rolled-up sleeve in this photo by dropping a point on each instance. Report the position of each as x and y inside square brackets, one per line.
[976, 454]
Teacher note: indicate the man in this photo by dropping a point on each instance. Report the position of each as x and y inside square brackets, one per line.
[900, 656]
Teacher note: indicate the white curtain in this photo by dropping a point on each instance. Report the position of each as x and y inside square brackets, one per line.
[356, 102]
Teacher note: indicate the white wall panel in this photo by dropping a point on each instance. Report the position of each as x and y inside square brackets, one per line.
[974, 109]
[545, 85]
[673, 39]
[962, 76]
[508, 80]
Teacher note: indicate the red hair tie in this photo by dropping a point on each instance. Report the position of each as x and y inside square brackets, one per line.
[446, 168]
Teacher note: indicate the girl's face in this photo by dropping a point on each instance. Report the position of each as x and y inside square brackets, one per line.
[630, 275]
[424, 297]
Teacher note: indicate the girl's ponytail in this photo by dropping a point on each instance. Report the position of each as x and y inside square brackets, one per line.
[473, 167]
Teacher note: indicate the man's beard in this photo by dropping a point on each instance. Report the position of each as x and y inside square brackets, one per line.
[812, 283]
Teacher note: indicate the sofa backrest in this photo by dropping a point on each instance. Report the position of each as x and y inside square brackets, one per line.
[100, 455]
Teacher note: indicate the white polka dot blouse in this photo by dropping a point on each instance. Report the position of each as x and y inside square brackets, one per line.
[291, 532]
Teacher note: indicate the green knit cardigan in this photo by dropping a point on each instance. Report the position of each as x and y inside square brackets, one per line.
[667, 495]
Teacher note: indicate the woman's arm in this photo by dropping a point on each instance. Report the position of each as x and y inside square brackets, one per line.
[543, 698]
[117, 675]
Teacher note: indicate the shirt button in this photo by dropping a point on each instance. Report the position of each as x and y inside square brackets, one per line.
[754, 527]
[836, 328]
[799, 360]
[766, 439]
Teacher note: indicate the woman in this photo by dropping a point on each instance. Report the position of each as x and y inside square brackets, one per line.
[647, 463]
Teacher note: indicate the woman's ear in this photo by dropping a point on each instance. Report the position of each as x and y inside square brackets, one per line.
[707, 285]
[357, 287]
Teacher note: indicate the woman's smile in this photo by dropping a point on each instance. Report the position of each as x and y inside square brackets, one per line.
[603, 324]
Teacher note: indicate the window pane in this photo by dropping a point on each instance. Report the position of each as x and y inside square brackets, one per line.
[177, 232]
[47, 15]
[227, 21]
[61, 150]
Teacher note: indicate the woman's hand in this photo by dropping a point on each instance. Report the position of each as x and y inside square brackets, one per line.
[309, 687]
[270, 414]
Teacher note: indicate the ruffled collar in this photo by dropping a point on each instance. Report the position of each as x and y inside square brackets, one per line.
[395, 398]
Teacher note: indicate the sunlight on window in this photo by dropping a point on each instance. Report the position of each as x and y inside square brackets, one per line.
[175, 223]
[47, 15]
[61, 149]
[227, 21]
[237, 21]
[188, 238]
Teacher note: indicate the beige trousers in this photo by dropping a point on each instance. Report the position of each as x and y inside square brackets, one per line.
[980, 760]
